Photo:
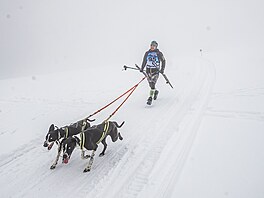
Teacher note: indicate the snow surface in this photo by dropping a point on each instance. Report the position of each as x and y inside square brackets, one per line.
[62, 60]
[131, 167]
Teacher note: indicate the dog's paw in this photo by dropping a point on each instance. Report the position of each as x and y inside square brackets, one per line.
[53, 167]
[86, 157]
[87, 170]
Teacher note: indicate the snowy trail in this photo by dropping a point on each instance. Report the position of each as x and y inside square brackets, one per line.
[155, 165]
[157, 140]
[247, 97]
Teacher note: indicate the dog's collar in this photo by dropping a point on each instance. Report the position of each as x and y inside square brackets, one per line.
[59, 135]
[66, 132]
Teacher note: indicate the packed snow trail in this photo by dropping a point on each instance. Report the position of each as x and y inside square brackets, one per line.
[147, 163]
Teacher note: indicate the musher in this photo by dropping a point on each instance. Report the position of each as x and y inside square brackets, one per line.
[154, 62]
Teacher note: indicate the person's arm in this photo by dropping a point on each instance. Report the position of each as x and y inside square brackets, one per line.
[163, 62]
[144, 62]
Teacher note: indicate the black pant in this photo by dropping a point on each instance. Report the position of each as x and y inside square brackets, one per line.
[153, 75]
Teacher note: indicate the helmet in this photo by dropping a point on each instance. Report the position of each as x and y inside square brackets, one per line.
[154, 43]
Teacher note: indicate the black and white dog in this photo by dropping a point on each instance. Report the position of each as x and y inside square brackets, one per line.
[58, 135]
[89, 140]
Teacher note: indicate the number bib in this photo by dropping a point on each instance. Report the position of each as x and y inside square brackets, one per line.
[153, 60]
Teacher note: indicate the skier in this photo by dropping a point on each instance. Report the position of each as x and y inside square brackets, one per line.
[151, 61]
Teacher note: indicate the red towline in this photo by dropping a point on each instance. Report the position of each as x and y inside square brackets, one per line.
[130, 91]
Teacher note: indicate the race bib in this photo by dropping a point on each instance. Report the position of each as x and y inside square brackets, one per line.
[153, 60]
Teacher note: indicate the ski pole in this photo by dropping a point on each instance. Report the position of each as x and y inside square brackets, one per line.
[138, 69]
[167, 80]
[144, 72]
[165, 77]
[127, 67]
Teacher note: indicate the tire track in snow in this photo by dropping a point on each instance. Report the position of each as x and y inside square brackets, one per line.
[72, 177]
[143, 164]
[25, 165]
[168, 181]
[141, 175]
[258, 116]
[177, 139]
[111, 175]
[130, 158]
[7, 159]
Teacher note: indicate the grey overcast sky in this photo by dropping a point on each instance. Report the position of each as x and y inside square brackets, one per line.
[48, 36]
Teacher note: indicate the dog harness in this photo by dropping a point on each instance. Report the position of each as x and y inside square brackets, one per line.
[83, 125]
[82, 140]
[82, 135]
[106, 127]
[66, 132]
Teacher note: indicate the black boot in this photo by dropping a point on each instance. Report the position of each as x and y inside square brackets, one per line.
[149, 102]
[156, 93]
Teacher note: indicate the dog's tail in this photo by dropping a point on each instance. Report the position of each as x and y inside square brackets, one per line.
[119, 126]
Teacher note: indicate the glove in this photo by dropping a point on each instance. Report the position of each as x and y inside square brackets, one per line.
[141, 70]
[162, 71]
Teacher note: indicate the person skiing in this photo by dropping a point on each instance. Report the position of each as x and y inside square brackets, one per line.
[154, 62]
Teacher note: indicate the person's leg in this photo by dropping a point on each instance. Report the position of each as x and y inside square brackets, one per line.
[153, 92]
[152, 84]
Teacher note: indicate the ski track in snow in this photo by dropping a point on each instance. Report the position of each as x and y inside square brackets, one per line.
[248, 115]
[249, 96]
[149, 159]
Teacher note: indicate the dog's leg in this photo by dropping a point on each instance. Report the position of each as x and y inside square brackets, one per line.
[105, 146]
[114, 134]
[120, 137]
[83, 156]
[53, 166]
[88, 168]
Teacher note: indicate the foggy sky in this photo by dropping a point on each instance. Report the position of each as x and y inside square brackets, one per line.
[55, 35]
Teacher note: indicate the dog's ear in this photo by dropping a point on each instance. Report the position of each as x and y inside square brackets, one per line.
[51, 128]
